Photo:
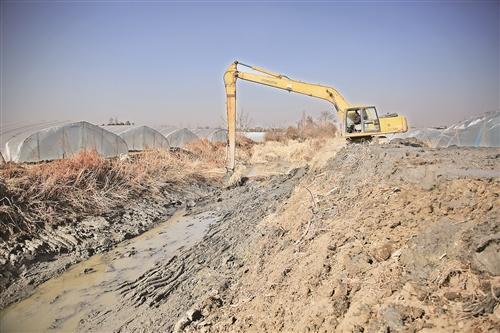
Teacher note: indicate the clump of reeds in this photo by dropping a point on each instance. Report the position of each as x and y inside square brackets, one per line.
[307, 128]
[33, 195]
[213, 153]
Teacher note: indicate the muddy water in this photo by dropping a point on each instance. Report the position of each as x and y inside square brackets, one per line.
[58, 304]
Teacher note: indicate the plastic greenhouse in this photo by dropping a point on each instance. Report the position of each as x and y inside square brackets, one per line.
[62, 141]
[212, 134]
[139, 138]
[428, 136]
[179, 137]
[479, 131]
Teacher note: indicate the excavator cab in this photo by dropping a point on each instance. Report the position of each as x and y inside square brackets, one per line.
[360, 120]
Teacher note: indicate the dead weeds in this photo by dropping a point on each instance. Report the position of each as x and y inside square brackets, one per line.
[35, 195]
[306, 128]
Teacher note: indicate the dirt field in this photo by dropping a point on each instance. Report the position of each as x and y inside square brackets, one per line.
[306, 237]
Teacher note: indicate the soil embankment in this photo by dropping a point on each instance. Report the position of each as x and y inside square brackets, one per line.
[381, 239]
[378, 238]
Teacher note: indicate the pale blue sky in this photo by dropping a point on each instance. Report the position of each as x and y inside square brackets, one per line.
[162, 62]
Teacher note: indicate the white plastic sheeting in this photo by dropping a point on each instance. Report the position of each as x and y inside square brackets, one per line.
[8, 131]
[428, 136]
[202, 133]
[139, 138]
[166, 129]
[479, 131]
[219, 135]
[254, 136]
[482, 131]
[63, 141]
[212, 134]
[180, 137]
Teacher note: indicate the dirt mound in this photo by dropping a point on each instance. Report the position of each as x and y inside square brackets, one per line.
[412, 142]
[384, 238]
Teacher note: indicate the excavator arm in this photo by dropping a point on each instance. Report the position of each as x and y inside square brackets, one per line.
[279, 81]
[274, 80]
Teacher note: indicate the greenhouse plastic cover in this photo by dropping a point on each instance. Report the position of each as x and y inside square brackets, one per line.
[166, 129]
[479, 131]
[254, 136]
[180, 137]
[22, 128]
[212, 134]
[9, 131]
[139, 138]
[425, 135]
[57, 142]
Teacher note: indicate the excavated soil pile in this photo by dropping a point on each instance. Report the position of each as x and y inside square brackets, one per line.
[383, 239]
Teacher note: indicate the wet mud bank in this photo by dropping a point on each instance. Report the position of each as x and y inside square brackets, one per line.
[191, 248]
[61, 302]
[27, 260]
[195, 277]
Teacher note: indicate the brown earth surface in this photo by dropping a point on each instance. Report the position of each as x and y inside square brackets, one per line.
[380, 239]
[316, 237]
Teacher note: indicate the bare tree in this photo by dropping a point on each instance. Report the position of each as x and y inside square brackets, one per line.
[305, 121]
[326, 117]
[243, 120]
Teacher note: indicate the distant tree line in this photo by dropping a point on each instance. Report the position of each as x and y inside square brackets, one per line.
[115, 121]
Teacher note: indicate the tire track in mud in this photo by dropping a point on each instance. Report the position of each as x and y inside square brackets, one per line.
[26, 261]
[155, 284]
[160, 297]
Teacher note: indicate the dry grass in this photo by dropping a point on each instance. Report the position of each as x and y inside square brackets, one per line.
[32, 196]
[293, 152]
[211, 153]
[215, 154]
[304, 131]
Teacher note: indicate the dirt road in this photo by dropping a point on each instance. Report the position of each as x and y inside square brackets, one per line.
[376, 238]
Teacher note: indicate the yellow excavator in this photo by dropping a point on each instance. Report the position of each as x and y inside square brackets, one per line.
[359, 123]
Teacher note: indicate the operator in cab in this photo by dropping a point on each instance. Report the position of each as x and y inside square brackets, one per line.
[354, 122]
